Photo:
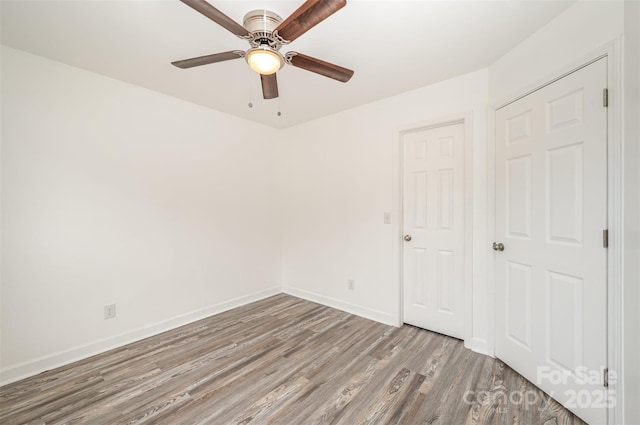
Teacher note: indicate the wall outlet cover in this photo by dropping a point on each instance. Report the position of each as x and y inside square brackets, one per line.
[109, 311]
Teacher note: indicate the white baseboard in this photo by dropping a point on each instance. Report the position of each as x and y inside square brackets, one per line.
[31, 368]
[367, 313]
[42, 364]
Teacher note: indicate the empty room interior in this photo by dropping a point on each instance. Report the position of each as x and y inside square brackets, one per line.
[319, 212]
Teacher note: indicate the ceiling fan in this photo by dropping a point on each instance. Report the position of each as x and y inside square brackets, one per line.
[267, 32]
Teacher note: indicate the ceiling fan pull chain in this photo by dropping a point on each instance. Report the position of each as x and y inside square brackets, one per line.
[249, 89]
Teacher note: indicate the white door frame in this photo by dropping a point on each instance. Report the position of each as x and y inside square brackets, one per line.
[466, 119]
[614, 212]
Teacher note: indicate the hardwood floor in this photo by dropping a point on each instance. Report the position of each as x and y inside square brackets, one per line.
[283, 361]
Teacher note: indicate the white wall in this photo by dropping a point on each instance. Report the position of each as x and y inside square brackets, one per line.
[632, 210]
[115, 194]
[337, 178]
[571, 36]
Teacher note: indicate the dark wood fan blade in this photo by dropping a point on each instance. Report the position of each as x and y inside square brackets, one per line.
[320, 67]
[205, 60]
[307, 16]
[216, 16]
[269, 86]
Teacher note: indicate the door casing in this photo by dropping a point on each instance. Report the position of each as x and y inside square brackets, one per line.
[614, 212]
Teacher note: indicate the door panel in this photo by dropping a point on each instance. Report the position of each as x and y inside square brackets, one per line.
[551, 209]
[433, 204]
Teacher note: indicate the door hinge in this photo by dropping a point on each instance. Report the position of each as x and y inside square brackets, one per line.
[605, 97]
[605, 378]
[605, 238]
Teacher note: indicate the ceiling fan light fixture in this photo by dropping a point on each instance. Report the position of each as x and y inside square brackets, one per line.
[264, 60]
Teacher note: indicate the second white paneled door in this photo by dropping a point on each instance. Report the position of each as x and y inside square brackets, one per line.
[433, 228]
[551, 210]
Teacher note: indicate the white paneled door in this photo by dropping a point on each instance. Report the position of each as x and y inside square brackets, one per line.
[433, 228]
[551, 211]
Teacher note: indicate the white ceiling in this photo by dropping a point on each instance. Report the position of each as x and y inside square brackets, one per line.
[393, 46]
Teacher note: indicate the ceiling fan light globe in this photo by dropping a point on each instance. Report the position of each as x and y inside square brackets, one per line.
[264, 61]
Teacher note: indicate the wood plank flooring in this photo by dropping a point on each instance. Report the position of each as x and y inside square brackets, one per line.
[283, 361]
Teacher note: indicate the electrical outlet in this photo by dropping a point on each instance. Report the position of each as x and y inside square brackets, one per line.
[109, 311]
[351, 284]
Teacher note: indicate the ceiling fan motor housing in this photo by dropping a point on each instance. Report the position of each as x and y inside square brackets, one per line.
[261, 24]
